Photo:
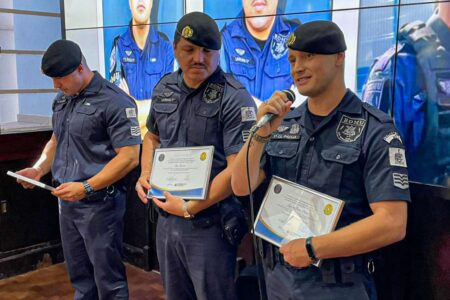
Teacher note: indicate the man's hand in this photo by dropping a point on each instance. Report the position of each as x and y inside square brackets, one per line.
[142, 186]
[295, 254]
[32, 173]
[279, 105]
[173, 204]
[70, 191]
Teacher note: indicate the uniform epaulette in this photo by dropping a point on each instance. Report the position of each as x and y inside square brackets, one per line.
[378, 114]
[233, 81]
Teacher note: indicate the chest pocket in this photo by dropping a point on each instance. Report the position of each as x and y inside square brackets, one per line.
[84, 121]
[246, 71]
[204, 128]
[154, 68]
[166, 119]
[58, 117]
[283, 158]
[339, 167]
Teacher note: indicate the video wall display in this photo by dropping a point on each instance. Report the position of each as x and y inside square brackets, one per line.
[398, 57]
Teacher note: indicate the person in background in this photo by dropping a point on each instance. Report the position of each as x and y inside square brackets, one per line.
[140, 57]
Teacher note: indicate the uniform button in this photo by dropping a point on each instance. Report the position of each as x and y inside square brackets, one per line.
[311, 139]
[338, 156]
[281, 152]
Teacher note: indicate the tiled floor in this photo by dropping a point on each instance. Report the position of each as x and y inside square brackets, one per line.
[53, 283]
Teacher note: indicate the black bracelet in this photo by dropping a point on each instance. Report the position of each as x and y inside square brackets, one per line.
[87, 188]
[310, 249]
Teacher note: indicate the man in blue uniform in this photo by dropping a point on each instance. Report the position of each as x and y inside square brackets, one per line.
[196, 106]
[418, 97]
[95, 143]
[255, 50]
[140, 57]
[335, 144]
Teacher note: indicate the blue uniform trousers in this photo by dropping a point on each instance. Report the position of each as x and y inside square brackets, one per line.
[91, 233]
[284, 282]
[195, 262]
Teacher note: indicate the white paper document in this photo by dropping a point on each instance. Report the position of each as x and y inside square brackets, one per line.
[183, 172]
[29, 180]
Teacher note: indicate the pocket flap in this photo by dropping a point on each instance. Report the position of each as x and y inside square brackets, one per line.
[341, 154]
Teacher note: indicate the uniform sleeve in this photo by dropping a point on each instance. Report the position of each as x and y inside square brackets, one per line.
[385, 168]
[151, 122]
[238, 117]
[122, 124]
[170, 59]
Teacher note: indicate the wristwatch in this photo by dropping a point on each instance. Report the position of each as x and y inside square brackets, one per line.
[186, 213]
[310, 249]
[262, 139]
[88, 188]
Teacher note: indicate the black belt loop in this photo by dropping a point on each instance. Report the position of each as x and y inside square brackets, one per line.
[347, 269]
[327, 270]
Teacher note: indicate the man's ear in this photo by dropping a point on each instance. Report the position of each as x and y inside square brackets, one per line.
[340, 58]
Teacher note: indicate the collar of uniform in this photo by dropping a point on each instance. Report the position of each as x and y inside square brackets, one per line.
[215, 77]
[94, 85]
[441, 29]
[238, 28]
[348, 105]
[128, 38]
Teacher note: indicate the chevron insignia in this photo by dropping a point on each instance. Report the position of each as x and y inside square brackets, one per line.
[400, 180]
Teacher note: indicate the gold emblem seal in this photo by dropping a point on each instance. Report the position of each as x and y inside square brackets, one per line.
[203, 156]
[328, 209]
[187, 32]
[291, 39]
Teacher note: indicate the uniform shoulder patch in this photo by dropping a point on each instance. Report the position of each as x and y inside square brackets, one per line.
[350, 129]
[378, 114]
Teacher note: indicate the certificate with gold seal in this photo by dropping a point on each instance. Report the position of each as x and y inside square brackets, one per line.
[183, 172]
[290, 211]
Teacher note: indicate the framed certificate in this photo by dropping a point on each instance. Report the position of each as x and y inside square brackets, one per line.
[183, 172]
[32, 181]
[290, 211]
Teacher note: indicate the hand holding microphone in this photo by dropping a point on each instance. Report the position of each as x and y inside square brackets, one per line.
[277, 105]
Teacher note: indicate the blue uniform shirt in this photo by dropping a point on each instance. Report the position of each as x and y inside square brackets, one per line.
[417, 98]
[88, 128]
[355, 154]
[219, 113]
[260, 71]
[141, 69]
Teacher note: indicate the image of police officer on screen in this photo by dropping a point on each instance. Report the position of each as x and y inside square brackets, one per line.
[255, 50]
[196, 106]
[94, 145]
[418, 97]
[140, 57]
[335, 144]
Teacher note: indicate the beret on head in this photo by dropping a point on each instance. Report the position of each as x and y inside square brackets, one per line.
[320, 37]
[61, 58]
[199, 29]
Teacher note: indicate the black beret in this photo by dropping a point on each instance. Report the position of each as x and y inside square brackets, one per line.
[320, 37]
[61, 58]
[199, 29]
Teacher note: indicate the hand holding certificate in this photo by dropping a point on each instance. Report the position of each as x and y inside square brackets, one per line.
[183, 172]
[291, 211]
[29, 180]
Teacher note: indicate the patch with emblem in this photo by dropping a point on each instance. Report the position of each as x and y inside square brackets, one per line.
[373, 92]
[240, 51]
[213, 93]
[392, 136]
[135, 130]
[167, 97]
[397, 157]
[286, 132]
[400, 180]
[282, 128]
[350, 129]
[128, 52]
[245, 135]
[248, 114]
[130, 112]
[278, 47]
[187, 32]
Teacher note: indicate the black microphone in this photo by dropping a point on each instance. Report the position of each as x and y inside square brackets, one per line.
[269, 116]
